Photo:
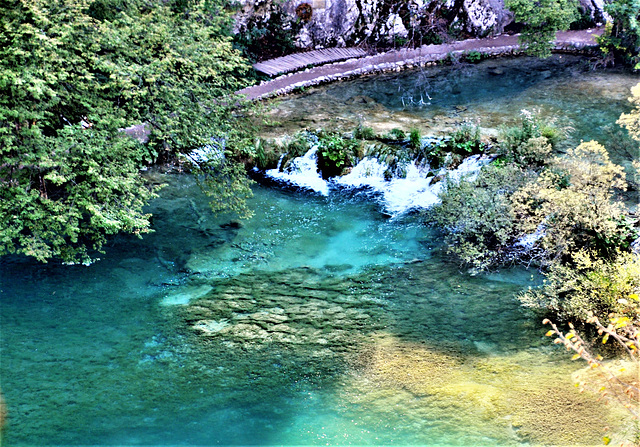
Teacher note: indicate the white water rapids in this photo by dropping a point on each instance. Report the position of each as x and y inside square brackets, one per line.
[398, 195]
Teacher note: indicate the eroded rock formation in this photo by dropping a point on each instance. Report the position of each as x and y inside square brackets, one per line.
[315, 24]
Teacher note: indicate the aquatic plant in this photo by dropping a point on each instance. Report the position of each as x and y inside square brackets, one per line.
[364, 133]
[335, 153]
[531, 141]
[415, 139]
[399, 376]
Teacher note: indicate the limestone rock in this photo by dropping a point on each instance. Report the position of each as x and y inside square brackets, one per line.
[339, 23]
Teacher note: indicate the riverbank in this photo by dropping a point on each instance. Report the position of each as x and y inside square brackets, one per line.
[398, 60]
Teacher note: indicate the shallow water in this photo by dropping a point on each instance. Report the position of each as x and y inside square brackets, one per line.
[318, 321]
[490, 94]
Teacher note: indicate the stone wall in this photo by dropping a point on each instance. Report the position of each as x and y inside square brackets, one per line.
[339, 23]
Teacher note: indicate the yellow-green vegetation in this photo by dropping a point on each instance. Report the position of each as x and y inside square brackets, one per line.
[537, 404]
[590, 285]
[563, 216]
[477, 215]
[574, 203]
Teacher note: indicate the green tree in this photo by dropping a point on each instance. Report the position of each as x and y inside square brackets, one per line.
[477, 215]
[621, 38]
[541, 19]
[74, 72]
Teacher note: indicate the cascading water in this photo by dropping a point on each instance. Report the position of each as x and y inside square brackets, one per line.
[416, 189]
[302, 172]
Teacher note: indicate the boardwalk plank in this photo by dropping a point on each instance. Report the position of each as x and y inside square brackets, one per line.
[295, 62]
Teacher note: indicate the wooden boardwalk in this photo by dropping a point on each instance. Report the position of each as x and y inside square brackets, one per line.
[294, 62]
[406, 58]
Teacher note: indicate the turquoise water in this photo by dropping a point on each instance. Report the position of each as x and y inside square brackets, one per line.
[318, 321]
[491, 94]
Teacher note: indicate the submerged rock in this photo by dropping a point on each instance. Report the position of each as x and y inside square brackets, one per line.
[185, 295]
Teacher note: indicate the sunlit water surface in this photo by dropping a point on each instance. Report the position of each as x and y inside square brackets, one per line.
[318, 321]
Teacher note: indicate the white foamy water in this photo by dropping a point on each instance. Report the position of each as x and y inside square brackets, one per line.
[414, 191]
[302, 172]
[398, 195]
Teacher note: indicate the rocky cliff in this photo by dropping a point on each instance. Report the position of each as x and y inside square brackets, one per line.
[312, 24]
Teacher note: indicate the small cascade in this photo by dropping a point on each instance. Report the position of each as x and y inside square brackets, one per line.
[210, 152]
[302, 172]
[399, 195]
[414, 191]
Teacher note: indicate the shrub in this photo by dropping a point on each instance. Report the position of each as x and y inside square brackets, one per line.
[570, 206]
[335, 153]
[364, 133]
[465, 140]
[621, 38]
[574, 203]
[533, 152]
[473, 56]
[516, 144]
[587, 286]
[478, 218]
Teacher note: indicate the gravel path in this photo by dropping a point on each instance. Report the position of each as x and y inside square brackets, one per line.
[409, 58]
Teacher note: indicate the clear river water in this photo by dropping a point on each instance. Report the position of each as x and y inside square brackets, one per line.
[319, 321]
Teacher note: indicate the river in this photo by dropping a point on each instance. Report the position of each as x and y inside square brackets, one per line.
[318, 321]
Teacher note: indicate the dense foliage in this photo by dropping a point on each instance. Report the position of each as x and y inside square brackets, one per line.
[541, 20]
[589, 285]
[621, 38]
[562, 215]
[478, 218]
[620, 41]
[74, 72]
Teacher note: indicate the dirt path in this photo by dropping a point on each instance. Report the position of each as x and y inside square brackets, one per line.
[408, 58]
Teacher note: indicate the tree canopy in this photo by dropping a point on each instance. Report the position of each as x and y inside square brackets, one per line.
[73, 73]
[541, 19]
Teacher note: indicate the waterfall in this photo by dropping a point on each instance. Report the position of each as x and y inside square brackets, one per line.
[414, 191]
[398, 195]
[302, 172]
